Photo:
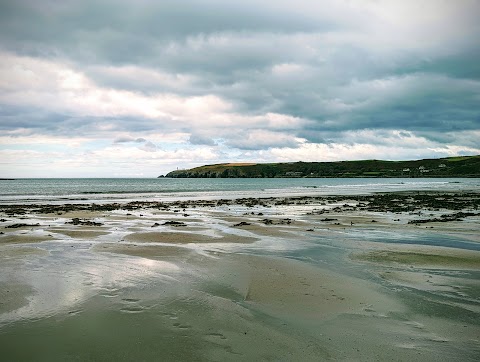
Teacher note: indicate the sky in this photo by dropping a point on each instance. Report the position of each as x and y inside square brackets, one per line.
[117, 88]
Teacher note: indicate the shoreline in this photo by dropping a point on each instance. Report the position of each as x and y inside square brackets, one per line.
[304, 277]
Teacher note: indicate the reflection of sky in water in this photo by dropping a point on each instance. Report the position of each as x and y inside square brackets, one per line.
[417, 237]
[68, 277]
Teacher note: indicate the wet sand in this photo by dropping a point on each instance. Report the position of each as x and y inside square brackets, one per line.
[279, 279]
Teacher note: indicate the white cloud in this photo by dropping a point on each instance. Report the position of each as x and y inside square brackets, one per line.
[57, 87]
[105, 162]
[378, 144]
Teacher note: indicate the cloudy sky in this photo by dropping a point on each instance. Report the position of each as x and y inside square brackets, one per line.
[118, 88]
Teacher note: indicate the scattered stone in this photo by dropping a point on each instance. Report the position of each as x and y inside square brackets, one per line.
[155, 225]
[174, 223]
[413, 203]
[243, 223]
[77, 221]
[445, 218]
[328, 219]
[16, 226]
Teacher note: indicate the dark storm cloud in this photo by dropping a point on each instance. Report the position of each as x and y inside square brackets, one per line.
[198, 139]
[32, 120]
[335, 65]
[122, 30]
[128, 139]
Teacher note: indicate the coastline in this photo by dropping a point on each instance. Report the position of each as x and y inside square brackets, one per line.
[303, 277]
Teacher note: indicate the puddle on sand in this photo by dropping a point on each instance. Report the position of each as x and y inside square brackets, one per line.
[66, 278]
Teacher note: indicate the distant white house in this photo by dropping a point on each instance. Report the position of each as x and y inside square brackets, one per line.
[423, 169]
[406, 170]
[442, 165]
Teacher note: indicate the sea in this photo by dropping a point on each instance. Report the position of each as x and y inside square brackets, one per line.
[104, 190]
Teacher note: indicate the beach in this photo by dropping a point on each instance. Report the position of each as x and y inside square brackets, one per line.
[377, 276]
[207, 180]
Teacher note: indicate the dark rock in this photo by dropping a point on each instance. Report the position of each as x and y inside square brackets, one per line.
[445, 218]
[77, 221]
[16, 226]
[243, 223]
[174, 223]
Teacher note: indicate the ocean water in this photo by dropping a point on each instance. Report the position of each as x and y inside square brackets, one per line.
[167, 189]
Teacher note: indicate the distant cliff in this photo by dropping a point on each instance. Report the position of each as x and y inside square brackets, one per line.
[465, 166]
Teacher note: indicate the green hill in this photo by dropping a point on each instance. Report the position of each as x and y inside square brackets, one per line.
[464, 166]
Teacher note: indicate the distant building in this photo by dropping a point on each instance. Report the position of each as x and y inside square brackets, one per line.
[442, 165]
[406, 170]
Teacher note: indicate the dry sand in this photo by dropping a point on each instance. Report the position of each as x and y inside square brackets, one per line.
[23, 238]
[81, 233]
[297, 290]
[433, 257]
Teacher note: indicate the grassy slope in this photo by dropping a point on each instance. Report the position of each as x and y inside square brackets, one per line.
[468, 166]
